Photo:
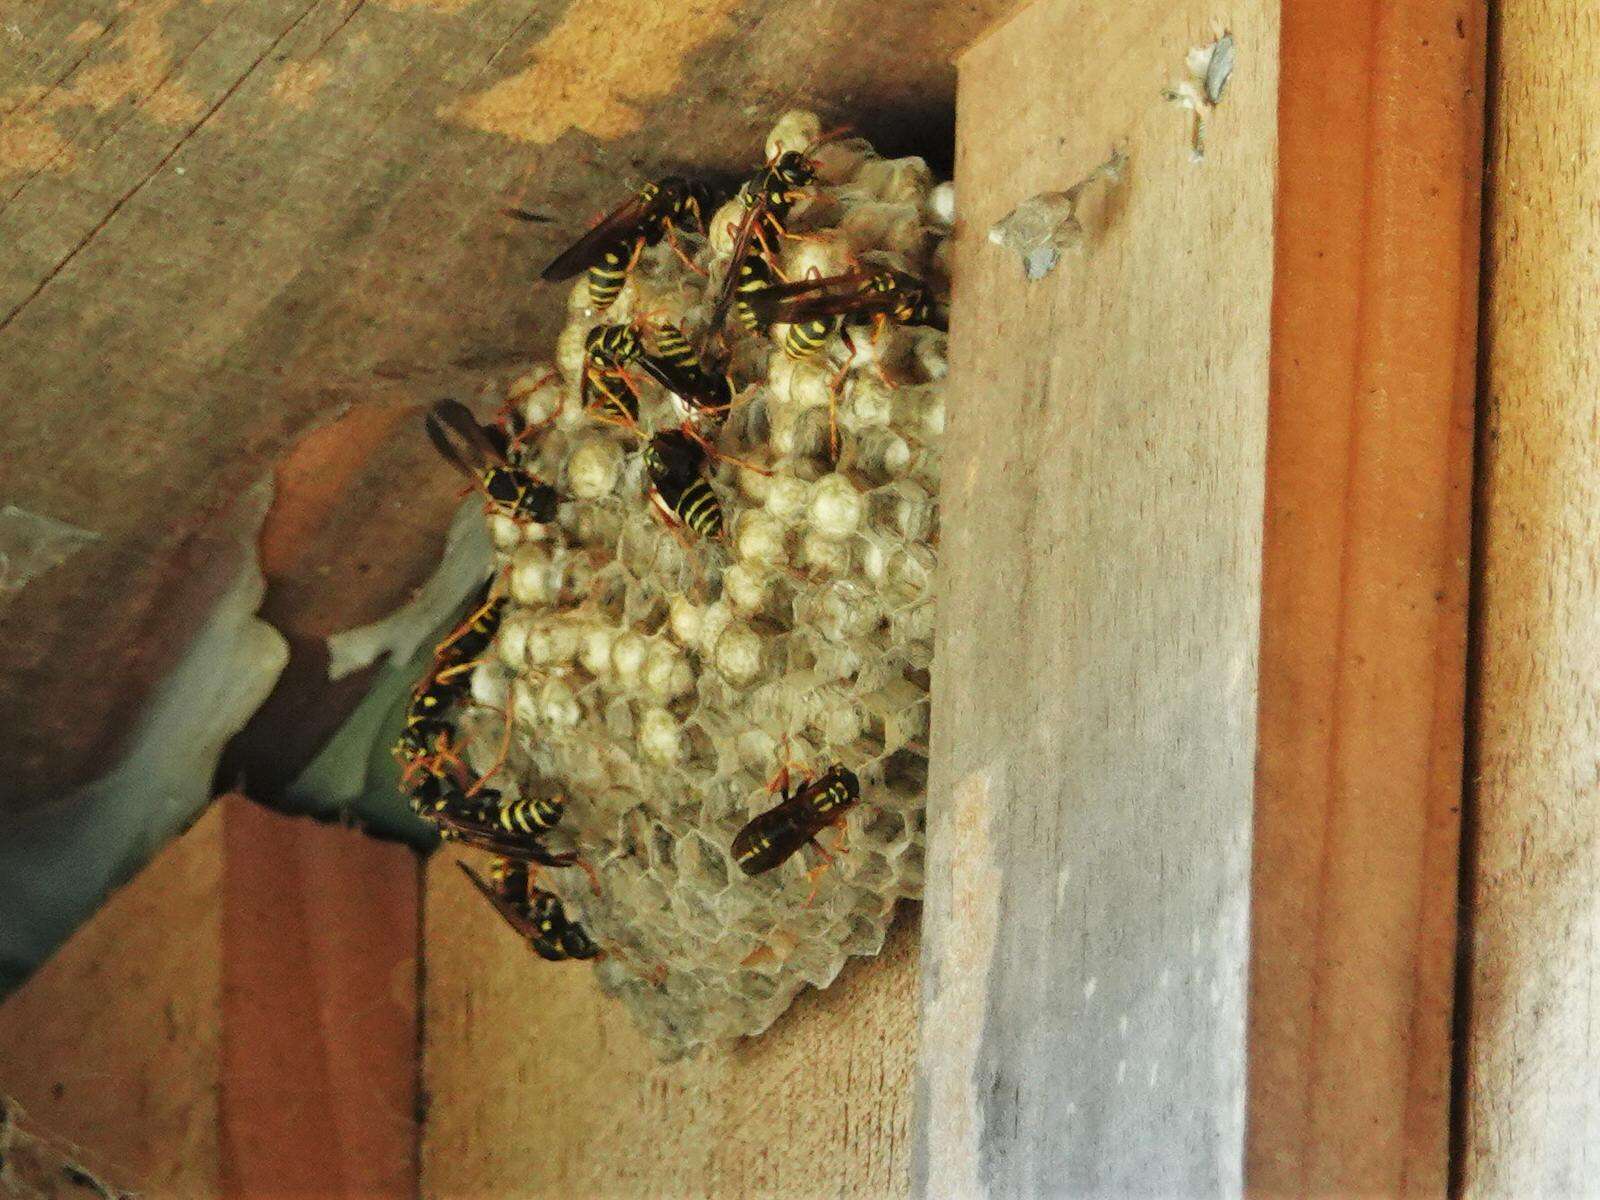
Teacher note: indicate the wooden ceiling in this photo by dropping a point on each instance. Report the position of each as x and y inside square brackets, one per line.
[250, 237]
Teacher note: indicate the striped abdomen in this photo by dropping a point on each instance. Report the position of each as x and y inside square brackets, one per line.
[805, 338]
[754, 275]
[527, 817]
[673, 347]
[693, 503]
[608, 275]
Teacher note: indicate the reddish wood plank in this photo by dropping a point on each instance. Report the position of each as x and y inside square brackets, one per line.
[1364, 596]
[319, 1002]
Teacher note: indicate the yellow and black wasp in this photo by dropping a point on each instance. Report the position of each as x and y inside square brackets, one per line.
[609, 250]
[537, 915]
[674, 461]
[814, 307]
[482, 453]
[608, 388]
[767, 196]
[771, 838]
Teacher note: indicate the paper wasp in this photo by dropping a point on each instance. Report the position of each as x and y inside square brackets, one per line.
[611, 349]
[481, 452]
[675, 461]
[609, 250]
[767, 196]
[771, 838]
[813, 308]
[537, 915]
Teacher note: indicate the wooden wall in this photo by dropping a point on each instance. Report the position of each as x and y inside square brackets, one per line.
[239, 1021]
[1531, 1079]
[1100, 571]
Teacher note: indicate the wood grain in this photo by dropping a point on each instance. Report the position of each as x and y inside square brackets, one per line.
[1094, 729]
[1531, 1106]
[114, 1044]
[318, 1010]
[224, 223]
[538, 1086]
[1364, 597]
[238, 1021]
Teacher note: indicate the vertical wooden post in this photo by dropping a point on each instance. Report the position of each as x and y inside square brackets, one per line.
[1364, 596]
[1532, 1102]
[1090, 816]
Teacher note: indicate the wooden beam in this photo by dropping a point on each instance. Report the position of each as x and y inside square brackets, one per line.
[1363, 639]
[1531, 1106]
[115, 1043]
[240, 1020]
[1090, 815]
[319, 1010]
[227, 223]
[538, 1085]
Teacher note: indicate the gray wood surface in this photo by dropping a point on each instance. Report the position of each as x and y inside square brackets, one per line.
[1095, 710]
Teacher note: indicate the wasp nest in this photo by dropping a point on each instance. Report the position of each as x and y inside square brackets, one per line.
[659, 680]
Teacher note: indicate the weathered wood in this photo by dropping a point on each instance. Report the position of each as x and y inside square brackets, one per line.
[1094, 730]
[1364, 598]
[240, 1020]
[538, 1086]
[222, 224]
[319, 1010]
[114, 1044]
[1531, 1103]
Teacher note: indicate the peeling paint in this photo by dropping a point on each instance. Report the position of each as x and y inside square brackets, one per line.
[58, 861]
[1209, 68]
[1044, 227]
[31, 544]
[85, 33]
[137, 66]
[599, 70]
[466, 563]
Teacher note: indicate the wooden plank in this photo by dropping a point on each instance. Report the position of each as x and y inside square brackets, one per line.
[319, 1010]
[1094, 730]
[223, 223]
[114, 1044]
[1364, 597]
[538, 1086]
[1531, 1108]
[240, 1020]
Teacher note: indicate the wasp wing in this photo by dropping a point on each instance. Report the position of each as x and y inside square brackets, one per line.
[742, 240]
[619, 224]
[519, 921]
[460, 440]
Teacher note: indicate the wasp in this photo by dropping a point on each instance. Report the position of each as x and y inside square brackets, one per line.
[677, 366]
[610, 250]
[480, 452]
[537, 915]
[815, 307]
[675, 462]
[467, 642]
[767, 196]
[480, 817]
[771, 838]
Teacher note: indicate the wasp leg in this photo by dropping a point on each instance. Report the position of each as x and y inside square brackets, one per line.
[500, 757]
[712, 451]
[816, 873]
[672, 242]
